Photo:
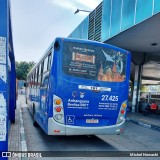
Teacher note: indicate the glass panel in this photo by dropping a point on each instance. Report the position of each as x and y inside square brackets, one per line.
[94, 62]
[45, 81]
[156, 6]
[128, 13]
[106, 11]
[143, 10]
[49, 61]
[116, 17]
[85, 28]
[42, 69]
[31, 83]
[39, 70]
[35, 72]
[45, 64]
[33, 80]
[81, 31]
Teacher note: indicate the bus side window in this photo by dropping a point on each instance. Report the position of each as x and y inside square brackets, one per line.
[49, 62]
[31, 80]
[35, 79]
[45, 65]
[39, 75]
[45, 81]
[42, 68]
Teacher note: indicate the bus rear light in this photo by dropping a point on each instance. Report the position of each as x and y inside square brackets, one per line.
[124, 105]
[122, 118]
[122, 111]
[58, 109]
[57, 101]
[58, 117]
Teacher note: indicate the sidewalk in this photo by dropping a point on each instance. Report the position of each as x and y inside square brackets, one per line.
[151, 121]
[16, 138]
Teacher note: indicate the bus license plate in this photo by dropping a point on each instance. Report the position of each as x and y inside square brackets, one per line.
[92, 121]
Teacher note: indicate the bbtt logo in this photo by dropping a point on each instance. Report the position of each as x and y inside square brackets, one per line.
[82, 94]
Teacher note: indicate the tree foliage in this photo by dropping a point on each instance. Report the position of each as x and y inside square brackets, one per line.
[22, 69]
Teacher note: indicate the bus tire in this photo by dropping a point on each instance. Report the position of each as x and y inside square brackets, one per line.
[145, 113]
[12, 120]
[35, 124]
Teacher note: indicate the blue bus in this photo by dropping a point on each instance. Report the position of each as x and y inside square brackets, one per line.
[79, 87]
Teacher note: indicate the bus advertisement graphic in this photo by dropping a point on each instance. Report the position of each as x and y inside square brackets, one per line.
[94, 62]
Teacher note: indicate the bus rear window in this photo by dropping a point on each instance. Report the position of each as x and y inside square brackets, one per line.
[93, 62]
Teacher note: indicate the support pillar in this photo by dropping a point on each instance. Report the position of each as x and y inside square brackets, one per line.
[136, 88]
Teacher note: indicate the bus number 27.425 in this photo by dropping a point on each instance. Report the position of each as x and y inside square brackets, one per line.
[109, 98]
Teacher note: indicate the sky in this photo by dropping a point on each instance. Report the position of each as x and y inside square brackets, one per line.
[36, 23]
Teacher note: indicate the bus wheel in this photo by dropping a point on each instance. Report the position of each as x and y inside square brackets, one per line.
[145, 113]
[34, 121]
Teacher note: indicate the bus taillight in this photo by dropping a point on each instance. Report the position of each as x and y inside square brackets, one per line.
[122, 111]
[57, 101]
[58, 117]
[58, 109]
[124, 105]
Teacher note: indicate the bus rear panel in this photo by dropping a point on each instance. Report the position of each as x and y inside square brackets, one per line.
[92, 87]
[85, 90]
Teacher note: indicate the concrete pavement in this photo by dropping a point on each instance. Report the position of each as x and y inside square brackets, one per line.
[16, 139]
[151, 121]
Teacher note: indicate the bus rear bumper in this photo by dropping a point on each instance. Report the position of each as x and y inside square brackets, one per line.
[55, 128]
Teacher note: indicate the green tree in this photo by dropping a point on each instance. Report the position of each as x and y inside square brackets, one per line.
[22, 69]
